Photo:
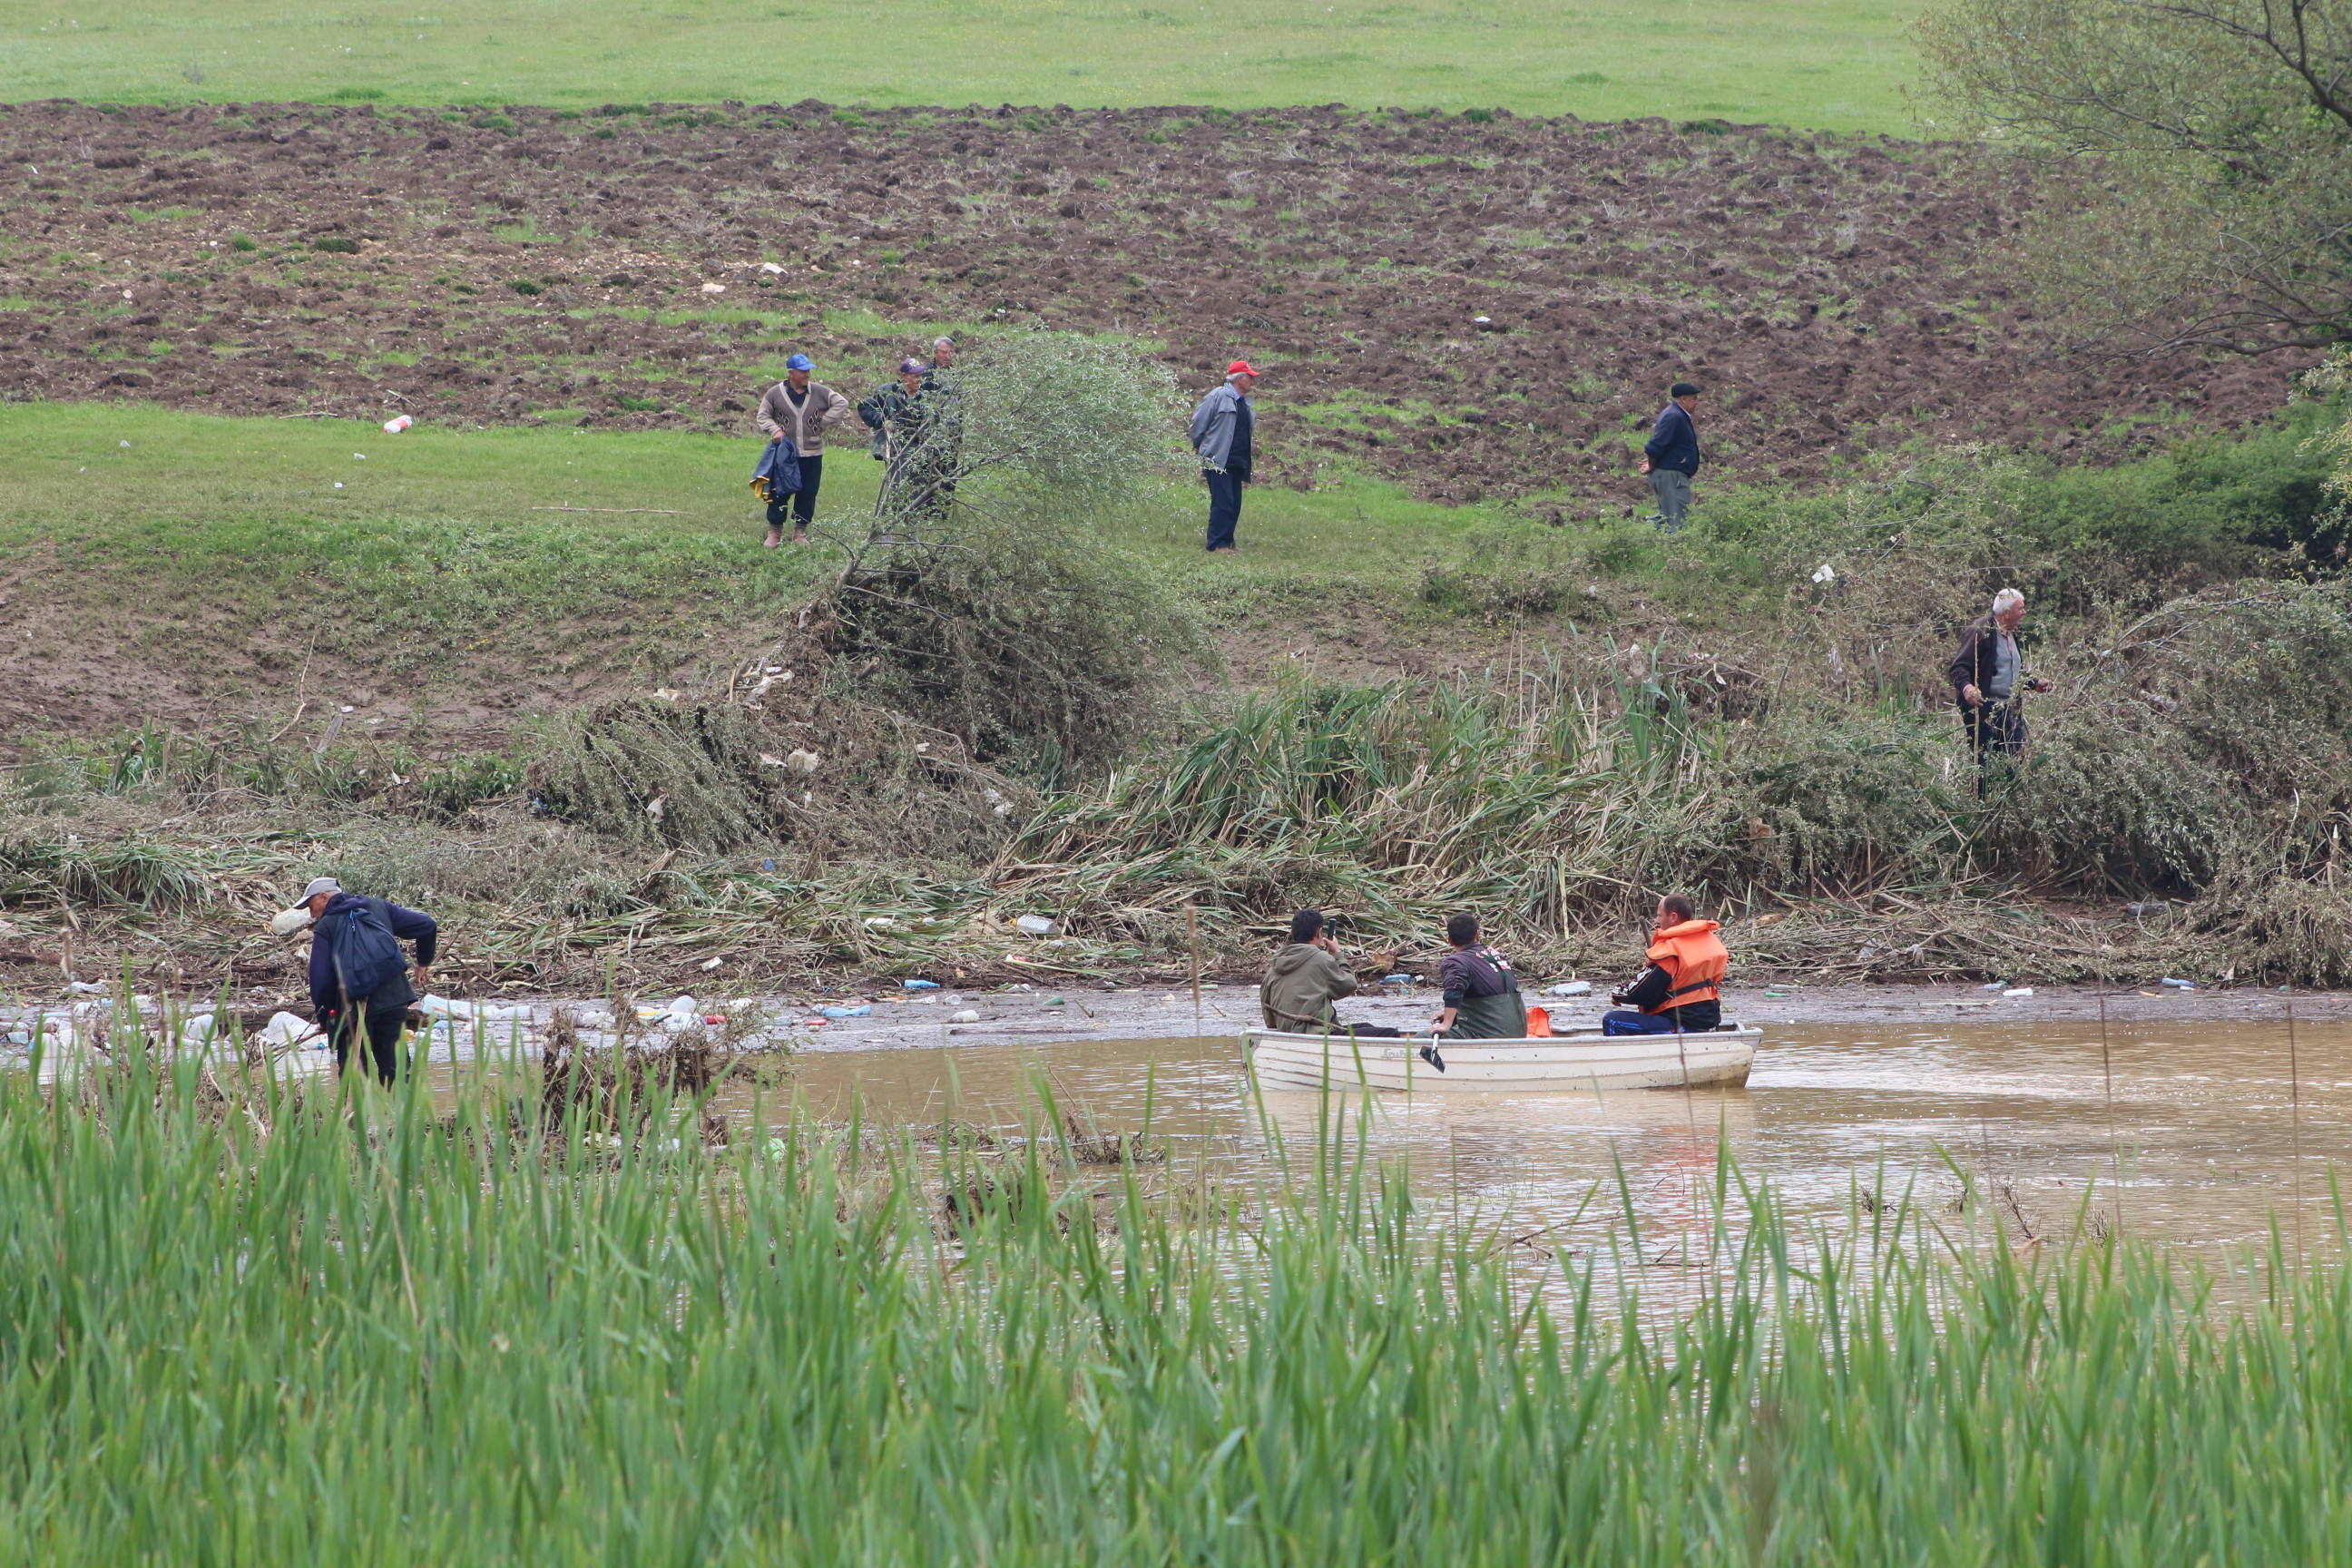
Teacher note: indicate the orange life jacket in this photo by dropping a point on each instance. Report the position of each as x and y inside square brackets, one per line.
[1694, 960]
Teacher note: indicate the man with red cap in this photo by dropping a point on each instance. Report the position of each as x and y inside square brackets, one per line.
[1221, 427]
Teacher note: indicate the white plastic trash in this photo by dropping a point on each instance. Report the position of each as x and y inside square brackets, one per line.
[1035, 925]
[1571, 988]
[2179, 985]
[685, 1007]
[2018, 992]
[967, 1016]
[284, 1029]
[394, 426]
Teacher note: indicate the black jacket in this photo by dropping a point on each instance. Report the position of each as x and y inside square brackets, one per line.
[1979, 651]
[1651, 987]
[405, 925]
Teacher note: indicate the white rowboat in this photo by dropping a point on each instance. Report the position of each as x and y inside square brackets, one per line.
[1584, 1059]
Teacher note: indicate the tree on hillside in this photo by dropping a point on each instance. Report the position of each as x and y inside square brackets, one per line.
[2200, 156]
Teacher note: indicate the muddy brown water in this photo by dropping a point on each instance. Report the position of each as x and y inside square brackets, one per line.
[2202, 1129]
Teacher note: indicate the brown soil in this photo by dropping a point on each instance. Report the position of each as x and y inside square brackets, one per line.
[1832, 294]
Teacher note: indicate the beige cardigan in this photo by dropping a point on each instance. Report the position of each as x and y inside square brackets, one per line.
[821, 408]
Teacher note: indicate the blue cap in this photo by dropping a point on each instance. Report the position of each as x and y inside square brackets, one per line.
[800, 362]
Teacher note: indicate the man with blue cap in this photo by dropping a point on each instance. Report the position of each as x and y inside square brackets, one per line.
[799, 410]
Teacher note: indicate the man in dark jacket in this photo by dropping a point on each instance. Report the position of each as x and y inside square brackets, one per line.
[380, 1014]
[1988, 676]
[1671, 458]
[1481, 994]
[1305, 977]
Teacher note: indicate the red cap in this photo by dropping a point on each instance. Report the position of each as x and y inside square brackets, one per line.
[1240, 367]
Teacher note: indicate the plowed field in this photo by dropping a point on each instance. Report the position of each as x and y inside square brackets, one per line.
[1481, 307]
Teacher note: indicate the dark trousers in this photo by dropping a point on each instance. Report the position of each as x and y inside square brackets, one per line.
[801, 501]
[1225, 507]
[1625, 1021]
[1995, 729]
[381, 1048]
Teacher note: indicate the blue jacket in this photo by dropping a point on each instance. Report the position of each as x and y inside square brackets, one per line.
[408, 925]
[1674, 443]
[1213, 423]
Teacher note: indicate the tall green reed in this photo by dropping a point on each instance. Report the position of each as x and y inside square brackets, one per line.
[371, 1334]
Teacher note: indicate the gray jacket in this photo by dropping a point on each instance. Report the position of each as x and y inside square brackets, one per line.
[805, 424]
[1214, 421]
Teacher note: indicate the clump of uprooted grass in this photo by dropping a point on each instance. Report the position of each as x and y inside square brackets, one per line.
[2201, 754]
[797, 1353]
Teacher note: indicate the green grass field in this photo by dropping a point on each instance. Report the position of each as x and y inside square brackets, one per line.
[441, 543]
[1828, 64]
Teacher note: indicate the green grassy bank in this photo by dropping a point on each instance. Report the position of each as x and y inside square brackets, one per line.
[260, 1336]
[426, 554]
[1825, 64]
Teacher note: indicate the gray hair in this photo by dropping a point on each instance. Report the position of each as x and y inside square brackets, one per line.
[2006, 600]
[939, 343]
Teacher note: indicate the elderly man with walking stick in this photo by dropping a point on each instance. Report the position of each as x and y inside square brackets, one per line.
[1988, 677]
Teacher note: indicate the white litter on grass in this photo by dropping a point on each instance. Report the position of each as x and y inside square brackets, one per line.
[654, 806]
[284, 1029]
[394, 426]
[1826, 574]
[1035, 925]
[339, 484]
[125, 443]
[709, 964]
[770, 267]
[359, 456]
[880, 922]
[804, 762]
[714, 288]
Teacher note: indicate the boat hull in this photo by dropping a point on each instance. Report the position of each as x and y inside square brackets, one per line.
[1719, 1058]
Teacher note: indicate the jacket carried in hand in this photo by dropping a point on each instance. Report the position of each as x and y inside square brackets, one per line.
[1684, 976]
[1300, 986]
[819, 410]
[1214, 422]
[407, 925]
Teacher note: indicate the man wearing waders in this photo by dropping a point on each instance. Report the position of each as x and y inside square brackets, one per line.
[359, 977]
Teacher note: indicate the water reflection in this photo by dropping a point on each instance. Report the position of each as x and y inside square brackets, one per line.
[2201, 1124]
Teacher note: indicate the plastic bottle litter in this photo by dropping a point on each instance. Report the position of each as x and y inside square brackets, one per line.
[684, 1007]
[880, 922]
[862, 1010]
[286, 923]
[1055, 1002]
[394, 426]
[920, 984]
[2018, 993]
[2179, 984]
[84, 988]
[1993, 985]
[1396, 979]
[1571, 988]
[442, 1007]
[967, 1016]
[1034, 925]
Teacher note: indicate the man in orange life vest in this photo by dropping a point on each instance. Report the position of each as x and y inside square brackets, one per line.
[1678, 992]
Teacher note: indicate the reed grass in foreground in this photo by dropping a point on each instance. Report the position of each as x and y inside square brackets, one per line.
[478, 1340]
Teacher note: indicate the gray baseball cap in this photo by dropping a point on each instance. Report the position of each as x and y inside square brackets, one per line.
[320, 885]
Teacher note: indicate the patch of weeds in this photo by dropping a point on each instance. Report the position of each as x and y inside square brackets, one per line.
[244, 242]
[630, 405]
[335, 244]
[524, 285]
[462, 289]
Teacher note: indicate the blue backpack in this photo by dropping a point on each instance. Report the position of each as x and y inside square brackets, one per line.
[366, 957]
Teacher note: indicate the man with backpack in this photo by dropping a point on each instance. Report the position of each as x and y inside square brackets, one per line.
[359, 976]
